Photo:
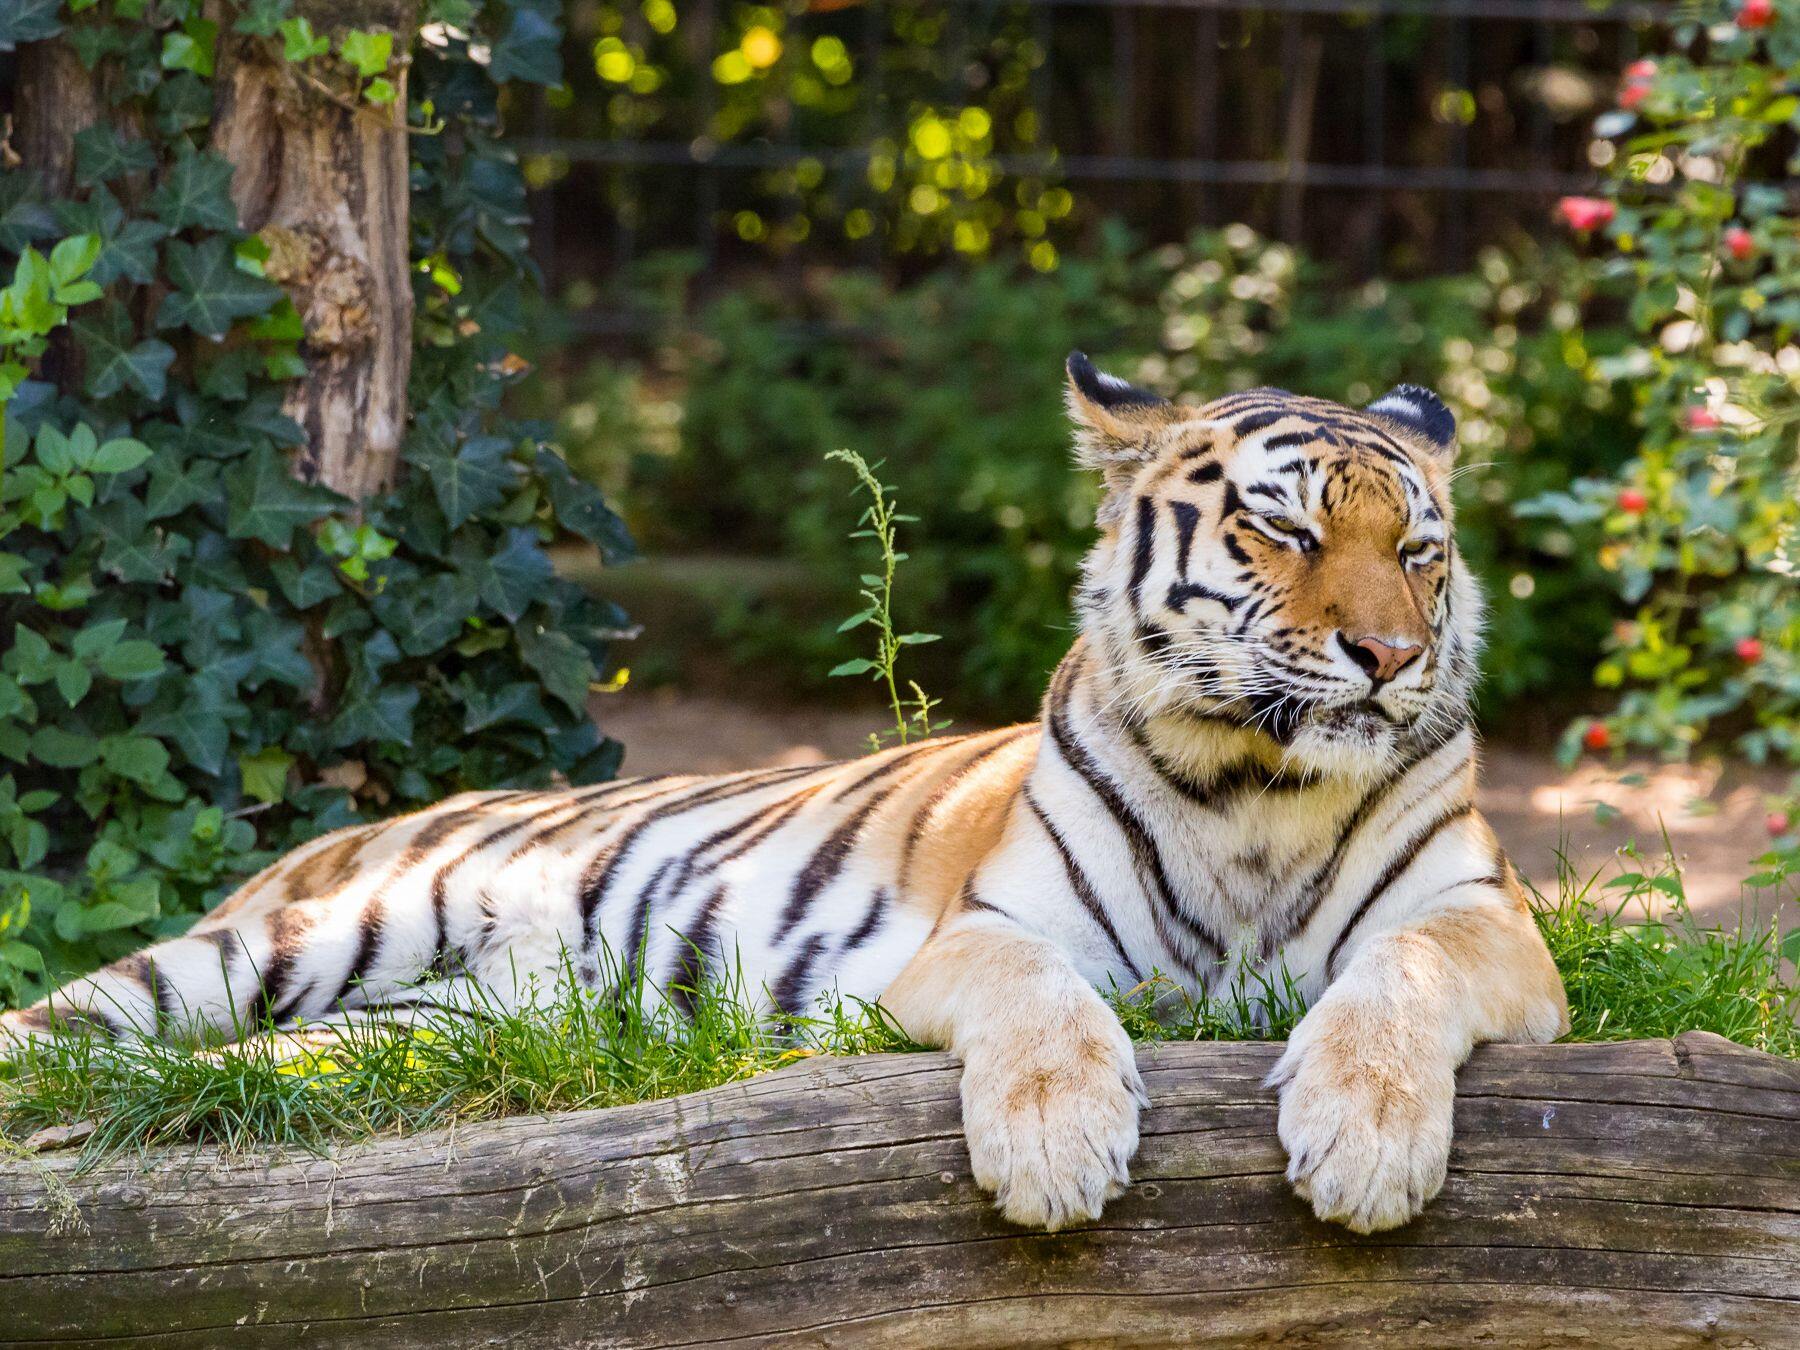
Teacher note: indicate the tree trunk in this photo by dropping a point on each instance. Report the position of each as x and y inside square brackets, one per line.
[1643, 1194]
[324, 180]
[58, 98]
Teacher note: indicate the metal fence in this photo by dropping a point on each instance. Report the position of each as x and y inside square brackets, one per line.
[1382, 135]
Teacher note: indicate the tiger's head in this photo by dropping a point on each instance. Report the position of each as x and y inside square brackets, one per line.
[1278, 569]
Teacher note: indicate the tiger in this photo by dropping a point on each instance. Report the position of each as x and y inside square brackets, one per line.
[1256, 759]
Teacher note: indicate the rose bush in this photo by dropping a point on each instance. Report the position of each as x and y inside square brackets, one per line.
[1696, 237]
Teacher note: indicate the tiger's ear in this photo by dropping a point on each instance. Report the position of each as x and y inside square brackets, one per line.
[1115, 422]
[1420, 413]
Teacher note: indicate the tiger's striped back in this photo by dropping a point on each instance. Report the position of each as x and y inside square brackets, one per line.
[808, 876]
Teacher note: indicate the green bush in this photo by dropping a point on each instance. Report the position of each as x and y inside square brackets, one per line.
[716, 442]
[1698, 530]
[207, 660]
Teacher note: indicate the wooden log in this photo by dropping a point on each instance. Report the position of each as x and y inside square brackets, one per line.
[1643, 1194]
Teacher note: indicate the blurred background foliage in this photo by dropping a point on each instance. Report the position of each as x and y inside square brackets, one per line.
[714, 442]
[771, 231]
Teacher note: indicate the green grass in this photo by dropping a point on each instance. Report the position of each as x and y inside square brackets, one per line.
[1625, 979]
[1629, 979]
[574, 1049]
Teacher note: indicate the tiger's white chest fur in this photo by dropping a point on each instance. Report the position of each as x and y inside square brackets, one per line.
[1227, 873]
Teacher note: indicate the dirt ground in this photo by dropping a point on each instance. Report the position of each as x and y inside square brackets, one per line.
[1714, 814]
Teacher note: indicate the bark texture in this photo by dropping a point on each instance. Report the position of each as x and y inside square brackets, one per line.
[1643, 1194]
[57, 98]
[324, 180]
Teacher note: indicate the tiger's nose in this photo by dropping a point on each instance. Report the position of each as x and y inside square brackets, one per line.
[1382, 660]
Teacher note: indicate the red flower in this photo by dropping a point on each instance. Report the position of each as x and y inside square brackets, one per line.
[1596, 737]
[1754, 14]
[1777, 822]
[1585, 213]
[1633, 502]
[1749, 650]
[1632, 95]
[1640, 70]
[1739, 243]
[1701, 419]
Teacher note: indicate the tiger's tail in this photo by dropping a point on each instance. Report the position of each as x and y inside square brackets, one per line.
[206, 983]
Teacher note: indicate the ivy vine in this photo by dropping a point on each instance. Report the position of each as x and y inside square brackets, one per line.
[207, 660]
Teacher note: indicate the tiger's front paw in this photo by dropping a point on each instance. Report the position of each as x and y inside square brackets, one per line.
[1366, 1126]
[1052, 1131]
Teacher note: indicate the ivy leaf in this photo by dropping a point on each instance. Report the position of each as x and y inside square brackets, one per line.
[217, 667]
[529, 50]
[281, 324]
[28, 21]
[262, 18]
[299, 42]
[425, 616]
[517, 702]
[114, 362]
[23, 218]
[102, 154]
[375, 712]
[278, 644]
[195, 719]
[127, 247]
[306, 586]
[174, 486]
[514, 575]
[267, 502]
[566, 669]
[92, 43]
[191, 47]
[138, 72]
[196, 191]
[131, 548]
[265, 773]
[581, 510]
[183, 102]
[211, 291]
[130, 252]
[366, 53]
[473, 479]
[225, 375]
[263, 415]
